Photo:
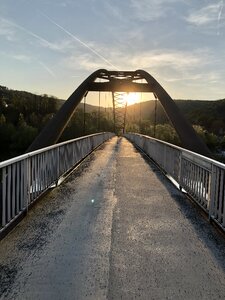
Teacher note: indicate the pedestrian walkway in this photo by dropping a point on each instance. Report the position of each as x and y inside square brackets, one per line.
[115, 229]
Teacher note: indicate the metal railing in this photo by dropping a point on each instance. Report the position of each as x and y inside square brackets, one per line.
[25, 178]
[201, 177]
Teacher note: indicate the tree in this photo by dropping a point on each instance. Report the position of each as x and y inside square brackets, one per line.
[210, 139]
[2, 119]
[22, 138]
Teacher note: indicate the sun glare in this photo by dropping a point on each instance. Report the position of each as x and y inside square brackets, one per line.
[132, 98]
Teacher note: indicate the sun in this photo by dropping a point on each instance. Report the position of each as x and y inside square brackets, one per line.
[132, 98]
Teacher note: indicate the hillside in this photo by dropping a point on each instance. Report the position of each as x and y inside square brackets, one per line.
[209, 114]
[23, 115]
[10, 96]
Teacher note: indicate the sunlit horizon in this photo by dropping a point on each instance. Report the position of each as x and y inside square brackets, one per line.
[133, 98]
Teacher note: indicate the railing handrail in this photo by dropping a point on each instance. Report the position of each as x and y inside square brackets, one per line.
[23, 179]
[201, 177]
[32, 153]
[208, 159]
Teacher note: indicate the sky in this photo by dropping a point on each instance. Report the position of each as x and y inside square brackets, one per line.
[50, 47]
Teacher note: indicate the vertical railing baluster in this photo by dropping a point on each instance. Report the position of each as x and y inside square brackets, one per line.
[13, 191]
[18, 187]
[223, 197]
[24, 179]
[220, 198]
[212, 191]
[9, 184]
[4, 197]
[36, 179]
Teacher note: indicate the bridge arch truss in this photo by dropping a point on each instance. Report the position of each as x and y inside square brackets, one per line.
[120, 81]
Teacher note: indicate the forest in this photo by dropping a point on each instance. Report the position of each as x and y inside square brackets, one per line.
[23, 115]
[207, 118]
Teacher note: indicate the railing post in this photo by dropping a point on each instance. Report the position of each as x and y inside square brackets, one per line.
[212, 192]
[23, 179]
[26, 184]
[58, 167]
[3, 196]
[180, 174]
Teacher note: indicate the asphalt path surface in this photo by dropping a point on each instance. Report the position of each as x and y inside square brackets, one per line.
[115, 229]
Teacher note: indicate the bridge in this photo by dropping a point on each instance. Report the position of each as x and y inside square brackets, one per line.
[117, 217]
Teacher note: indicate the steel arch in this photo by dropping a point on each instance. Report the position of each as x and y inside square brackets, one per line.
[126, 81]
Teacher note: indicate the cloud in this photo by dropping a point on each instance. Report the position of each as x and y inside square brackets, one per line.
[7, 30]
[160, 59]
[206, 15]
[83, 61]
[181, 72]
[10, 30]
[175, 59]
[84, 44]
[114, 10]
[11, 27]
[149, 10]
[61, 46]
[209, 77]
[21, 57]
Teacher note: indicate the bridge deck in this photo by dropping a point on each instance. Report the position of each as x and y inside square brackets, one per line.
[116, 229]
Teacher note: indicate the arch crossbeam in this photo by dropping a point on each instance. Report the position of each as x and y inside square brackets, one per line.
[121, 81]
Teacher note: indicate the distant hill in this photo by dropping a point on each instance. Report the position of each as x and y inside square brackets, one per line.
[23, 115]
[9, 95]
[209, 114]
[88, 107]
